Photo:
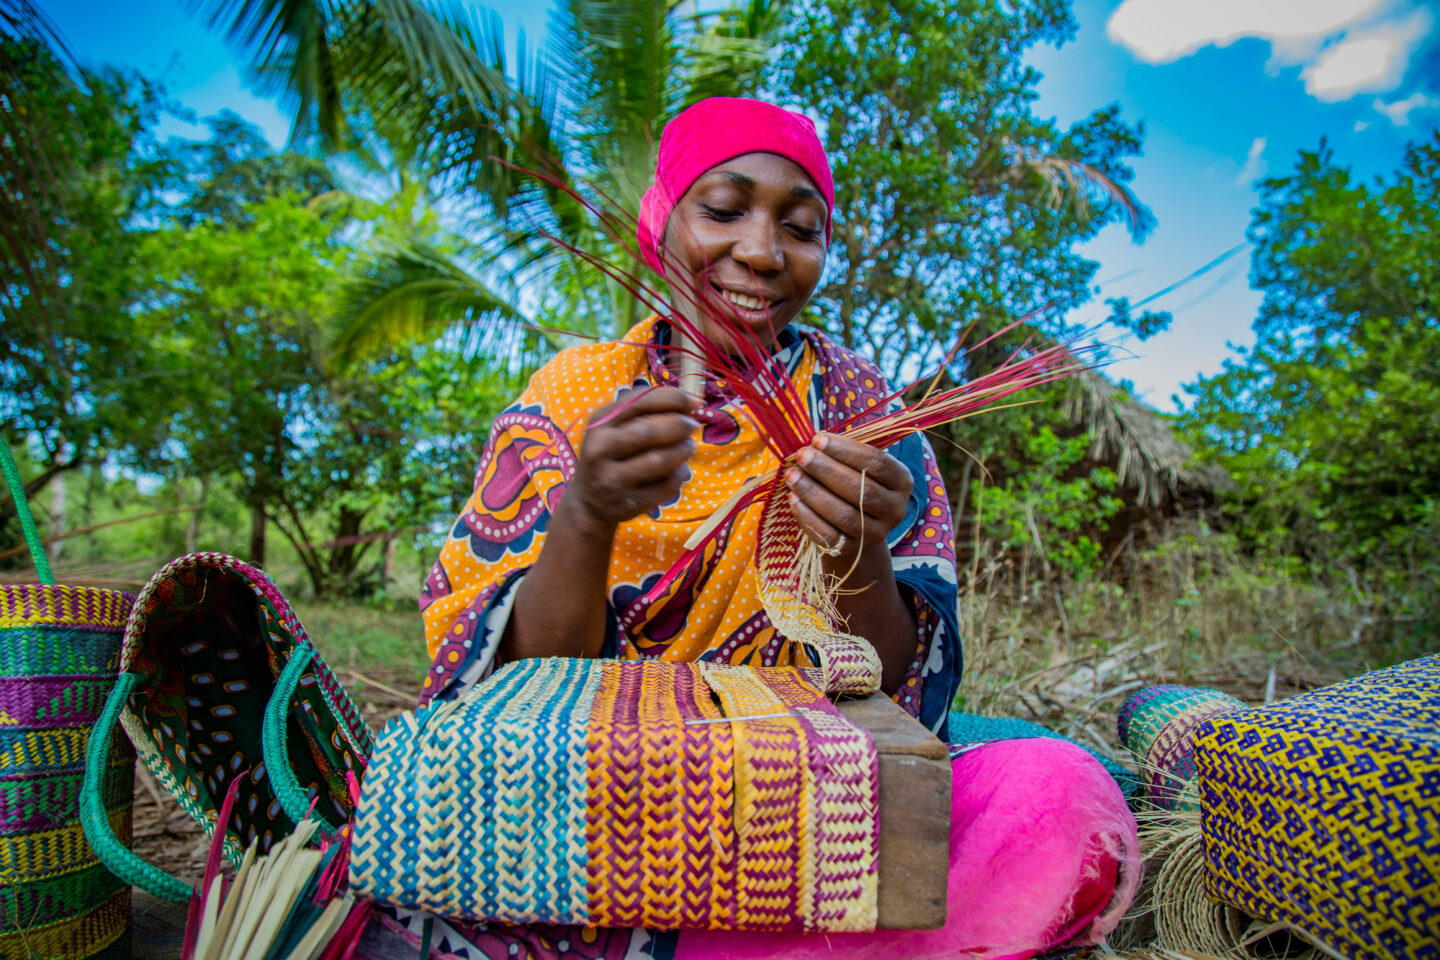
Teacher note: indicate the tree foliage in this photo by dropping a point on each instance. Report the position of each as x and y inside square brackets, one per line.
[955, 204]
[1329, 421]
[1330, 417]
[80, 176]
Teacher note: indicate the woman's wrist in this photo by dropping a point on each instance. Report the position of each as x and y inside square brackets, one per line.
[574, 515]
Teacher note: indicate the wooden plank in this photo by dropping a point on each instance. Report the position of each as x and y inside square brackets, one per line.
[914, 814]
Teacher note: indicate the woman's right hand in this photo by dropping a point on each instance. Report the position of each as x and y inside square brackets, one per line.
[632, 460]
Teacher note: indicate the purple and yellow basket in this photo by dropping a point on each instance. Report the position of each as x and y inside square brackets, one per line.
[59, 646]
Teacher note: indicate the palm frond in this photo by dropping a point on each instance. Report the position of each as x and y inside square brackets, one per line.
[333, 59]
[727, 50]
[411, 292]
[1062, 182]
[621, 60]
[290, 46]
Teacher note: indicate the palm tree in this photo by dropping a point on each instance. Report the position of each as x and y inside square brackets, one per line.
[424, 99]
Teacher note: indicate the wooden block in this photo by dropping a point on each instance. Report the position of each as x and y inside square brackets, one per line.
[914, 814]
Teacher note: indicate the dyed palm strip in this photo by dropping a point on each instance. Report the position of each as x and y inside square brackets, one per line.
[59, 646]
[626, 794]
[1323, 811]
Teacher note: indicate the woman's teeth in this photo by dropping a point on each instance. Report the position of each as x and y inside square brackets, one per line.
[745, 301]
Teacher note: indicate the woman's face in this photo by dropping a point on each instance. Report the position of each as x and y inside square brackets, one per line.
[750, 235]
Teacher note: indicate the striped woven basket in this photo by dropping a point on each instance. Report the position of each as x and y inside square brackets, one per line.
[219, 682]
[610, 793]
[1158, 725]
[58, 649]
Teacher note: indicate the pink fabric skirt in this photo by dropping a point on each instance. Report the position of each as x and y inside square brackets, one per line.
[1043, 855]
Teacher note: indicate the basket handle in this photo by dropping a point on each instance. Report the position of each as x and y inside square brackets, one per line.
[293, 798]
[117, 857]
[27, 522]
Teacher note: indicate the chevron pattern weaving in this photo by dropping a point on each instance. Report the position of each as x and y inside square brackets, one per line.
[1323, 812]
[626, 794]
[58, 649]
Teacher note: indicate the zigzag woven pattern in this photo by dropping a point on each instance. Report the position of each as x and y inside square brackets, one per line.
[58, 605]
[783, 554]
[1323, 811]
[82, 936]
[625, 794]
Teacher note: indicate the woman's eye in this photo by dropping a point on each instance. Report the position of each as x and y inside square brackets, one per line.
[803, 232]
[717, 213]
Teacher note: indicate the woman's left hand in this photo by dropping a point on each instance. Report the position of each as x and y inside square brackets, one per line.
[825, 493]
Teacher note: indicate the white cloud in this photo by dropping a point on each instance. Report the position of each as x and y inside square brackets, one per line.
[1362, 125]
[1345, 47]
[1370, 61]
[1399, 112]
[1160, 31]
[1254, 166]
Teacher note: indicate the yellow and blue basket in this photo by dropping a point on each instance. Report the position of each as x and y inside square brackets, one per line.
[1323, 812]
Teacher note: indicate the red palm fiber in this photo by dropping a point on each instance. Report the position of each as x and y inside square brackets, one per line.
[770, 400]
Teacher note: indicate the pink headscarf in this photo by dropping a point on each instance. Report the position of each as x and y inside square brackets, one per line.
[719, 129]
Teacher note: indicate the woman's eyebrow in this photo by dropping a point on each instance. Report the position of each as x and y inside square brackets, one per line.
[748, 183]
[739, 179]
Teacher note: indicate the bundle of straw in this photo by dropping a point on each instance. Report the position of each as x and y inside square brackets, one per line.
[285, 905]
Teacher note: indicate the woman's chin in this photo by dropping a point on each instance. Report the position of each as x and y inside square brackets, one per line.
[762, 327]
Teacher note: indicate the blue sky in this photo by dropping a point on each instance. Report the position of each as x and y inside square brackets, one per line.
[1229, 90]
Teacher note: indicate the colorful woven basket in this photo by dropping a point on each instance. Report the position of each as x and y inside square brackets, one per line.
[219, 681]
[58, 649]
[626, 794]
[1158, 725]
[1323, 812]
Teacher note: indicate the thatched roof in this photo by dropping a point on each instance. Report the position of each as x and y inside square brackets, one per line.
[1139, 443]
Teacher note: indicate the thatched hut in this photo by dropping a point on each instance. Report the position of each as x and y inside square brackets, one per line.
[1155, 469]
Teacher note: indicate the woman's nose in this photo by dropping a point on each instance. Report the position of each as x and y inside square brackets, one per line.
[759, 245]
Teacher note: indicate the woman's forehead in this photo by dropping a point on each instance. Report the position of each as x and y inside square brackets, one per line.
[750, 171]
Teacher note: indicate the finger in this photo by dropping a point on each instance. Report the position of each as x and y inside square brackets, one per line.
[833, 510]
[821, 533]
[643, 433]
[878, 500]
[645, 498]
[642, 402]
[652, 465]
[876, 463]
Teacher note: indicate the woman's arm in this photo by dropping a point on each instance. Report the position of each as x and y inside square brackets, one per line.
[826, 498]
[630, 462]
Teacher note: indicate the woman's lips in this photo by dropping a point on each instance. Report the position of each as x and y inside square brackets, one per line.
[747, 306]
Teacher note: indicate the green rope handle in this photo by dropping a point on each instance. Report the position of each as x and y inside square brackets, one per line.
[22, 510]
[116, 856]
[294, 799]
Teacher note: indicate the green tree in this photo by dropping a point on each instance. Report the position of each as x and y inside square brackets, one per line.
[80, 176]
[439, 115]
[1330, 418]
[955, 204]
[1329, 421]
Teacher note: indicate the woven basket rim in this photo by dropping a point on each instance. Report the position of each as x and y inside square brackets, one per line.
[47, 610]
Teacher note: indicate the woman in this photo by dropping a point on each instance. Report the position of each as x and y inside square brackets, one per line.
[571, 525]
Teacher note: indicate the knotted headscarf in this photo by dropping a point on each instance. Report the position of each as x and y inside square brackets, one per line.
[719, 129]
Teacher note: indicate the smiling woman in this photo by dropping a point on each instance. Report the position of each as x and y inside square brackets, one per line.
[595, 478]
